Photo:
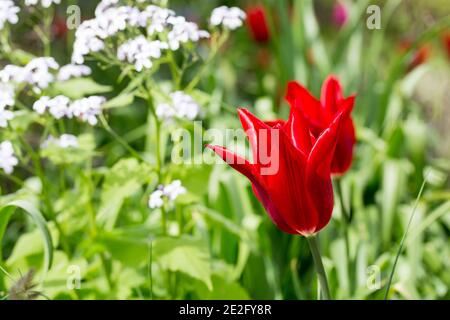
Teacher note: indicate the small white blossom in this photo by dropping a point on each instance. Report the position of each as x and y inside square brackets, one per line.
[44, 3]
[8, 13]
[12, 73]
[140, 52]
[37, 71]
[5, 116]
[230, 18]
[169, 192]
[58, 106]
[173, 190]
[183, 31]
[6, 95]
[87, 109]
[155, 200]
[64, 141]
[183, 106]
[73, 71]
[158, 18]
[165, 111]
[7, 158]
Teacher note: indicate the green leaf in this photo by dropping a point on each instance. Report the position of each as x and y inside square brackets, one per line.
[223, 290]
[124, 179]
[187, 255]
[31, 209]
[79, 87]
[121, 100]
[79, 154]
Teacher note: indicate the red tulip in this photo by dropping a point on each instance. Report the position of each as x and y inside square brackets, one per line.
[257, 23]
[291, 171]
[320, 115]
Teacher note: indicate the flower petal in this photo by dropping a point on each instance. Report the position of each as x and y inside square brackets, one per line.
[331, 94]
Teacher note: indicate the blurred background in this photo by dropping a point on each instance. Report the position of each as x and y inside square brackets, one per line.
[401, 76]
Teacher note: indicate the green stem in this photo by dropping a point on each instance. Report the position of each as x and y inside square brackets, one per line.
[345, 225]
[321, 275]
[119, 139]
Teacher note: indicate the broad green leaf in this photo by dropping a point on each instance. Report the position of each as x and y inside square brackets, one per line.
[121, 100]
[31, 209]
[71, 155]
[186, 254]
[222, 289]
[123, 180]
[79, 87]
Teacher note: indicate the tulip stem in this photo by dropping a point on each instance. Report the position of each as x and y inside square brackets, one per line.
[321, 274]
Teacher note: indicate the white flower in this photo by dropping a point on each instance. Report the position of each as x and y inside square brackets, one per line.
[170, 192]
[7, 158]
[8, 13]
[6, 95]
[64, 141]
[37, 71]
[12, 73]
[58, 106]
[88, 38]
[5, 116]
[183, 106]
[44, 3]
[183, 31]
[230, 18]
[165, 111]
[158, 18]
[73, 71]
[173, 190]
[41, 105]
[155, 200]
[140, 51]
[87, 109]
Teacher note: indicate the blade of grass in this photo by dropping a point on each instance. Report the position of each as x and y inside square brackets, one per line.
[400, 248]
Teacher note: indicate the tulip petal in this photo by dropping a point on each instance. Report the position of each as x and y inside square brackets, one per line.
[298, 129]
[299, 97]
[275, 123]
[331, 94]
[319, 166]
[260, 136]
[247, 169]
[235, 161]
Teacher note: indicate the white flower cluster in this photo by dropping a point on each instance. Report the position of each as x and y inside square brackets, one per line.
[230, 18]
[6, 100]
[7, 158]
[110, 19]
[183, 31]
[44, 3]
[37, 73]
[73, 71]
[85, 109]
[170, 192]
[140, 51]
[8, 13]
[64, 141]
[183, 106]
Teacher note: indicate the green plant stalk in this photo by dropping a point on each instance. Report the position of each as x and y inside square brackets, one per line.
[320, 270]
[400, 248]
[345, 227]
